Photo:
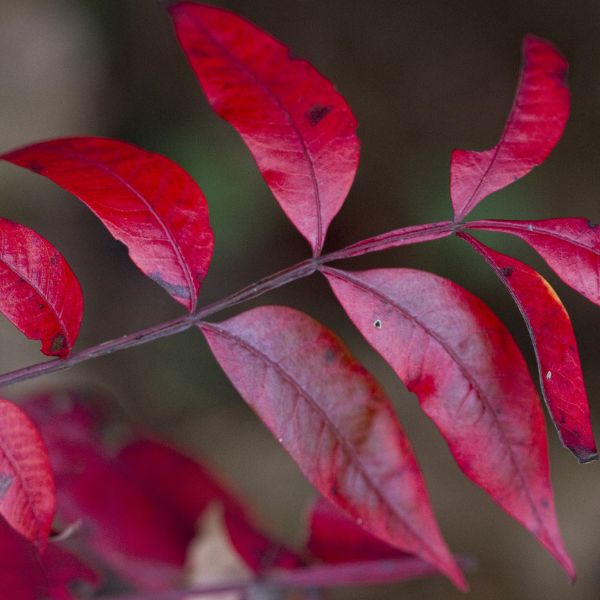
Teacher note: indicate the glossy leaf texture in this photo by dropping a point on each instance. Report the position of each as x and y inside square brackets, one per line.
[570, 246]
[297, 126]
[471, 380]
[334, 538]
[120, 525]
[535, 124]
[145, 200]
[186, 489]
[40, 295]
[555, 347]
[334, 420]
[27, 492]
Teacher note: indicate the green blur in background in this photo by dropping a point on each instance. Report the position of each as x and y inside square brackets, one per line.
[422, 78]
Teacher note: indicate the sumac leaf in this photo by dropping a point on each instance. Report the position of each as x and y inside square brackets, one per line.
[297, 126]
[145, 200]
[555, 348]
[27, 493]
[334, 420]
[535, 124]
[570, 246]
[40, 294]
[470, 378]
[185, 489]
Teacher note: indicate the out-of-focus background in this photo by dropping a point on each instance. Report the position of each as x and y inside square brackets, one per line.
[422, 77]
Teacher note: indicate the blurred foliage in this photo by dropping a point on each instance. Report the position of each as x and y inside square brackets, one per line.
[422, 76]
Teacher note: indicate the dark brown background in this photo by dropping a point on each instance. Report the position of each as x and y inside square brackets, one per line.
[422, 77]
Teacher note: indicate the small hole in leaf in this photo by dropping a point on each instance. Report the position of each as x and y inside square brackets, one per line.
[377, 324]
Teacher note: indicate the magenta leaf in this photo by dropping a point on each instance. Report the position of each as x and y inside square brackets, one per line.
[535, 124]
[185, 489]
[21, 575]
[570, 246]
[27, 493]
[555, 348]
[335, 421]
[120, 523]
[40, 294]
[334, 538]
[63, 570]
[145, 200]
[297, 126]
[25, 575]
[471, 380]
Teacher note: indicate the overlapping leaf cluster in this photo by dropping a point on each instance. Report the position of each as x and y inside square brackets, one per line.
[325, 409]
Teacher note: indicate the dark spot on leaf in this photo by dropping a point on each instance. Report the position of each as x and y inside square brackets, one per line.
[58, 343]
[585, 456]
[329, 356]
[317, 113]
[423, 387]
[377, 324]
[5, 483]
[507, 271]
[545, 503]
[36, 167]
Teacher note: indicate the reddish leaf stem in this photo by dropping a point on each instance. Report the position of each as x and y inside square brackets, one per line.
[391, 239]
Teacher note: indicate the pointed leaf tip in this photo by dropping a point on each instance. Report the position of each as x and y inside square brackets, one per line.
[551, 332]
[470, 378]
[335, 421]
[299, 129]
[534, 126]
[146, 201]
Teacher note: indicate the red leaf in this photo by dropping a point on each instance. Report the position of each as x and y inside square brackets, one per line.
[25, 575]
[145, 200]
[471, 380]
[185, 489]
[571, 247]
[40, 294]
[334, 538]
[120, 523]
[555, 348]
[537, 119]
[299, 129]
[335, 421]
[62, 569]
[27, 494]
[21, 575]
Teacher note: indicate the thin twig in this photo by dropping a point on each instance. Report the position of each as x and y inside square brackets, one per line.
[398, 237]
